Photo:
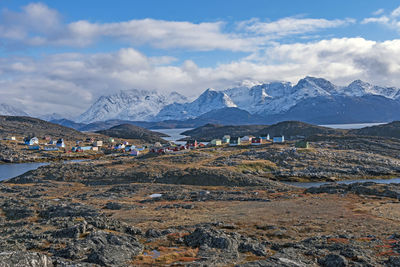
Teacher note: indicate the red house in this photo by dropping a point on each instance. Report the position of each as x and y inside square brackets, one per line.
[256, 141]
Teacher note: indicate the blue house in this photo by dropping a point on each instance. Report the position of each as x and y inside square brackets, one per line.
[278, 139]
[50, 148]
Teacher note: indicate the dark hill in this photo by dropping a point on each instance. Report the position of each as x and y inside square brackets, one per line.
[287, 128]
[296, 128]
[16, 125]
[211, 131]
[129, 131]
[385, 130]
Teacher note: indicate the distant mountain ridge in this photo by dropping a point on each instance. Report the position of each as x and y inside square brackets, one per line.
[273, 101]
[129, 105]
[276, 98]
[8, 110]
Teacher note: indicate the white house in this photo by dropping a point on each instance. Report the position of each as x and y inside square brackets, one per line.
[60, 143]
[30, 141]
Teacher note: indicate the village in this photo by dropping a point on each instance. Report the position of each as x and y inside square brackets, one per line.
[103, 145]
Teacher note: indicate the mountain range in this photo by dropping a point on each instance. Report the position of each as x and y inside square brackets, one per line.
[8, 110]
[314, 100]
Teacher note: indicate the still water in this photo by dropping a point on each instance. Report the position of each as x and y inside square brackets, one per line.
[14, 169]
[352, 125]
[175, 134]
[379, 181]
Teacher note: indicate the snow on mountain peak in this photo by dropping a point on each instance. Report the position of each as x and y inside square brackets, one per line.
[129, 105]
[8, 110]
[361, 88]
[262, 99]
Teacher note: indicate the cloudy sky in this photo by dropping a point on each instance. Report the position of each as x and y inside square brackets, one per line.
[59, 56]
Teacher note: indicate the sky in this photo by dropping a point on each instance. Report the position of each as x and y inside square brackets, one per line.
[60, 56]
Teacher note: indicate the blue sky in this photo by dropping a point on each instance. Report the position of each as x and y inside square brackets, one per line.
[84, 49]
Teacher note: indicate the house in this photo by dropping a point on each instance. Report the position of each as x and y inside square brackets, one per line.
[216, 142]
[52, 142]
[134, 153]
[30, 141]
[226, 139]
[34, 147]
[76, 149]
[10, 138]
[50, 148]
[247, 138]
[98, 143]
[192, 143]
[89, 140]
[256, 141]
[95, 148]
[157, 144]
[111, 140]
[129, 148]
[278, 139]
[86, 148]
[126, 143]
[234, 141]
[119, 146]
[60, 143]
[78, 142]
[47, 138]
[301, 144]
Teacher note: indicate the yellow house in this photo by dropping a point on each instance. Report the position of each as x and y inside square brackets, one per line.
[216, 142]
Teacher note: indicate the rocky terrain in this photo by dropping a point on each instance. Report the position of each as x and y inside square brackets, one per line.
[63, 223]
[326, 160]
[216, 206]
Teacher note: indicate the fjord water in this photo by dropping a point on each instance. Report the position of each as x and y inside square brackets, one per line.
[12, 170]
[350, 126]
[174, 134]
[316, 184]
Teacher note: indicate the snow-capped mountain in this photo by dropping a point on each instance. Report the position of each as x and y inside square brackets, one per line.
[264, 99]
[207, 101]
[360, 88]
[54, 116]
[132, 105]
[268, 99]
[7, 110]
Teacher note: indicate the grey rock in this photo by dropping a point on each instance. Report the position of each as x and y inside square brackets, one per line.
[333, 260]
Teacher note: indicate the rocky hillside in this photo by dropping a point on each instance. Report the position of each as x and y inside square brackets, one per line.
[129, 131]
[211, 131]
[297, 128]
[286, 128]
[15, 125]
[385, 130]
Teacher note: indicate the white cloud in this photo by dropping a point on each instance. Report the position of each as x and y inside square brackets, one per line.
[71, 82]
[390, 20]
[378, 12]
[291, 26]
[39, 25]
